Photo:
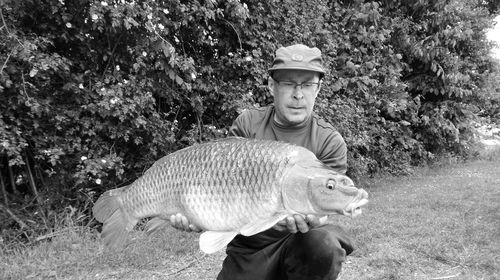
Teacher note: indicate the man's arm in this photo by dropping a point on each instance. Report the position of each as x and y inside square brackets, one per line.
[240, 125]
[334, 152]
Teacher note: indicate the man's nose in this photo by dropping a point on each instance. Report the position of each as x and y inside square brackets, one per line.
[297, 93]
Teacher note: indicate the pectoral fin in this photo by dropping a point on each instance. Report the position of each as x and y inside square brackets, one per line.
[155, 224]
[261, 225]
[213, 241]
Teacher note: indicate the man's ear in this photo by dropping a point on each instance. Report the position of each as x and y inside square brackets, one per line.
[319, 86]
[270, 85]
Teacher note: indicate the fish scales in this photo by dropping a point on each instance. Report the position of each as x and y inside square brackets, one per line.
[208, 178]
[225, 187]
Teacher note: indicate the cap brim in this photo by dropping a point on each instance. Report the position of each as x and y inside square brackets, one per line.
[297, 68]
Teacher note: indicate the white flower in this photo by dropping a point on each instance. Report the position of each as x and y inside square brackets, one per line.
[83, 158]
[125, 81]
[80, 86]
[230, 53]
[95, 17]
[176, 39]
[19, 180]
[248, 58]
[68, 25]
[103, 160]
[117, 67]
[165, 11]
[85, 20]
[103, 89]
[61, 1]
[144, 54]
[104, 3]
[193, 76]
[98, 181]
[161, 26]
[150, 16]
[114, 100]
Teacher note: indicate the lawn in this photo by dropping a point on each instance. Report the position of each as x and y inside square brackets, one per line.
[439, 223]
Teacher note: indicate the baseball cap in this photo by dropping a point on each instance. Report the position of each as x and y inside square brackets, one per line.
[298, 57]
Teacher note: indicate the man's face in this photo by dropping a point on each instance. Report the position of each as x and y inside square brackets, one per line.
[293, 105]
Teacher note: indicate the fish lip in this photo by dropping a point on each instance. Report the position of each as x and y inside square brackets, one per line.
[353, 209]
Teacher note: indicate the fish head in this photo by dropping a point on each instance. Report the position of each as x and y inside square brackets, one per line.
[335, 193]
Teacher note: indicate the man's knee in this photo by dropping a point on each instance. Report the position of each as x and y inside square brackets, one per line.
[318, 243]
[317, 254]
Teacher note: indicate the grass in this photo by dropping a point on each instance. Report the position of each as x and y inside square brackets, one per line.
[440, 223]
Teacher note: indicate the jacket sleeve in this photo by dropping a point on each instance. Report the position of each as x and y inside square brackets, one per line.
[334, 152]
[240, 125]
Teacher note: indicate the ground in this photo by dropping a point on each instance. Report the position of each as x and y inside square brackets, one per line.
[442, 222]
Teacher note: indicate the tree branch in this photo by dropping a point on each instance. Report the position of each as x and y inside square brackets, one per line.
[5, 63]
[235, 31]
[4, 191]
[3, 21]
[31, 180]
[19, 221]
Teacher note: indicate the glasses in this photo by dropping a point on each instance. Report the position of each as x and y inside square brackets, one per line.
[290, 86]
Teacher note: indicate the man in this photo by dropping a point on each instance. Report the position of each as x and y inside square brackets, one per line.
[297, 247]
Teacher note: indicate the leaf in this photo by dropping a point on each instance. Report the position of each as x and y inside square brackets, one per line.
[179, 80]
[171, 75]
[33, 72]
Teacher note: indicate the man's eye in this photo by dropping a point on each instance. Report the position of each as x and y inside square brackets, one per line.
[308, 85]
[288, 84]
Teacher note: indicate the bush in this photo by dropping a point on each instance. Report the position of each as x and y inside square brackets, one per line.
[96, 91]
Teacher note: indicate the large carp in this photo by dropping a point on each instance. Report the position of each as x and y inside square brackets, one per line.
[228, 187]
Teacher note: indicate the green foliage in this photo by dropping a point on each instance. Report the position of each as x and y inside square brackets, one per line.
[93, 92]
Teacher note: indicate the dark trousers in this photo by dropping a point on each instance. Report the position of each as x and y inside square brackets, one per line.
[274, 255]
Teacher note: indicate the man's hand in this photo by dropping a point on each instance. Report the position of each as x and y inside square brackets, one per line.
[296, 223]
[180, 221]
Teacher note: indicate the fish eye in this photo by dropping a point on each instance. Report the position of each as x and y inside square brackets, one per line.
[330, 185]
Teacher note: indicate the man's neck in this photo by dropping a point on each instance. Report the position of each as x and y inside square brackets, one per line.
[291, 126]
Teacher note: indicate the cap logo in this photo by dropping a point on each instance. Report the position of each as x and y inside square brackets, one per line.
[297, 57]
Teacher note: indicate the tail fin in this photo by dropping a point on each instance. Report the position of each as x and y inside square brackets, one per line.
[117, 222]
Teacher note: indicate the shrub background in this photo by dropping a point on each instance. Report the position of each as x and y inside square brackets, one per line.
[93, 92]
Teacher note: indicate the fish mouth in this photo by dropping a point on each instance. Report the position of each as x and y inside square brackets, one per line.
[353, 209]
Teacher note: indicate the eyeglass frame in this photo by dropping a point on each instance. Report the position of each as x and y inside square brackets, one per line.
[295, 84]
